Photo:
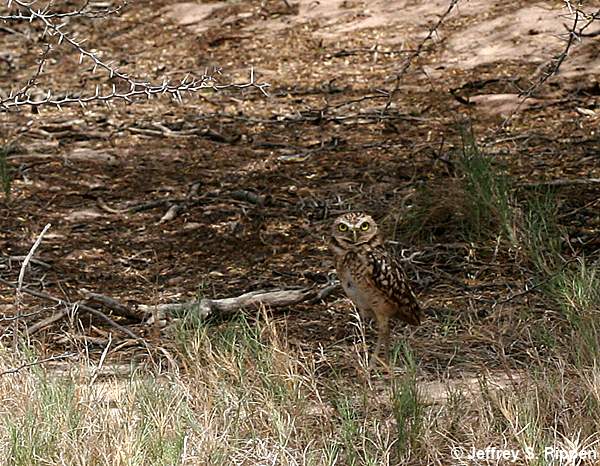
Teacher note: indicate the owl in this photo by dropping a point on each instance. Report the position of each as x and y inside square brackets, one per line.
[371, 277]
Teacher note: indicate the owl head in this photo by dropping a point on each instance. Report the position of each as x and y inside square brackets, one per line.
[355, 228]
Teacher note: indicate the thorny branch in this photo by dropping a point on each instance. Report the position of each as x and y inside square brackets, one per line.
[574, 33]
[415, 54]
[23, 92]
[136, 88]
[83, 11]
[323, 114]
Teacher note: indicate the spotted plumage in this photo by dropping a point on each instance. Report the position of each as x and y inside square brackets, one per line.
[371, 277]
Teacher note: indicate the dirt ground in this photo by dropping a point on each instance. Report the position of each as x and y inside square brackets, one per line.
[315, 147]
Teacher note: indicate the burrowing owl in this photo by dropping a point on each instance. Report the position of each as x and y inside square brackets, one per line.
[371, 277]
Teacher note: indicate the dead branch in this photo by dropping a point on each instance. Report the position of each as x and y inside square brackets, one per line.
[42, 324]
[324, 293]
[175, 205]
[83, 11]
[173, 211]
[19, 285]
[162, 131]
[36, 362]
[6, 318]
[80, 306]
[54, 27]
[31, 82]
[149, 205]
[560, 183]
[415, 54]
[227, 306]
[104, 206]
[112, 304]
[574, 34]
[28, 258]
[43, 264]
[253, 198]
[277, 298]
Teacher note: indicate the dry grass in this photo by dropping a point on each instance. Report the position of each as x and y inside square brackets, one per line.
[246, 398]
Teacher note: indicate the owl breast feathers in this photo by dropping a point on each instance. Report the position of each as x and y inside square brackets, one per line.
[371, 277]
[379, 277]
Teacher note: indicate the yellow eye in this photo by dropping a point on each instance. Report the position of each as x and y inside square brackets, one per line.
[364, 226]
[343, 227]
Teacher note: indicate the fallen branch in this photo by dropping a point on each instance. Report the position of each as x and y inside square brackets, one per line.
[227, 306]
[28, 258]
[112, 304]
[175, 204]
[277, 298]
[80, 306]
[32, 260]
[250, 197]
[35, 363]
[560, 182]
[42, 324]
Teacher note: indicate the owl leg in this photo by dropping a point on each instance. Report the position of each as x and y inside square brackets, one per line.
[365, 314]
[383, 339]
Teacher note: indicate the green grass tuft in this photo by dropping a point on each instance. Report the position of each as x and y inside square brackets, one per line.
[541, 233]
[576, 289]
[473, 205]
[407, 405]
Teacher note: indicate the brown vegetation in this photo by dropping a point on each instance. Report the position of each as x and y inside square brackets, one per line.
[483, 168]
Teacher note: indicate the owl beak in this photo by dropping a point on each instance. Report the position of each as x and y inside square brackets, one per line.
[354, 235]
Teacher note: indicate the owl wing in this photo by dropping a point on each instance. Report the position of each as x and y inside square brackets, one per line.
[389, 277]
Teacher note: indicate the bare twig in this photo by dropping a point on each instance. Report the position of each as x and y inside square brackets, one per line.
[28, 258]
[112, 304]
[37, 362]
[83, 307]
[19, 286]
[574, 34]
[98, 368]
[5, 318]
[32, 81]
[415, 54]
[136, 88]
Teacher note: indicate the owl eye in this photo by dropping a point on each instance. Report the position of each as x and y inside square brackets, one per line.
[343, 227]
[364, 226]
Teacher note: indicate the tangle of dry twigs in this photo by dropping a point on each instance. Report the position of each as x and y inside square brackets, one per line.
[57, 31]
[580, 21]
[415, 54]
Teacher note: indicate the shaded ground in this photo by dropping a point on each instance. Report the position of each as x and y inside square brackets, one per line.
[314, 148]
